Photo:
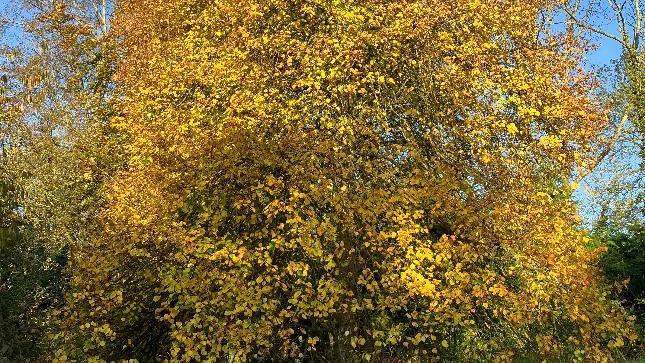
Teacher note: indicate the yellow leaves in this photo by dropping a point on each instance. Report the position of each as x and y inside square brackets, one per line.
[298, 269]
[498, 290]
[529, 111]
[418, 338]
[422, 254]
[313, 341]
[486, 158]
[514, 99]
[616, 343]
[417, 284]
[325, 228]
[550, 141]
[511, 128]
[574, 185]
[136, 252]
[412, 112]
[368, 171]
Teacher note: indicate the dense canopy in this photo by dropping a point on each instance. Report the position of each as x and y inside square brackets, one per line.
[344, 179]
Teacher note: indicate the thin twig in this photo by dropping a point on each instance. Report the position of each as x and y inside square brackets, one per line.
[592, 28]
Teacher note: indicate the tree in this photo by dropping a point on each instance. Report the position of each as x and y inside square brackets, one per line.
[54, 105]
[616, 177]
[344, 180]
[629, 95]
[61, 83]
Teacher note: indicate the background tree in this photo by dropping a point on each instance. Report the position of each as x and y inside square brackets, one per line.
[56, 67]
[616, 183]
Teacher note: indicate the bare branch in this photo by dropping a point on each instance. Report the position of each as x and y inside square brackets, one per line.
[637, 23]
[584, 25]
[608, 147]
[620, 19]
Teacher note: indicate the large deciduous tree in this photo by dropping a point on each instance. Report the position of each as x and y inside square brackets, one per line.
[344, 179]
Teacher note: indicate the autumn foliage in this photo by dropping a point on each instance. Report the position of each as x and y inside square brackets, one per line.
[347, 180]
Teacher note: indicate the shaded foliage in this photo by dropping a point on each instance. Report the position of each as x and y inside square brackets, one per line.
[624, 262]
[30, 281]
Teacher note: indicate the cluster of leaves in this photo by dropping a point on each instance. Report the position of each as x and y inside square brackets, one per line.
[623, 263]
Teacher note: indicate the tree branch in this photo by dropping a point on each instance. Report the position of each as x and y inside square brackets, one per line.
[592, 28]
[610, 145]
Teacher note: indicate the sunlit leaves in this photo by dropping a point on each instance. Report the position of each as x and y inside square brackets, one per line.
[345, 179]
